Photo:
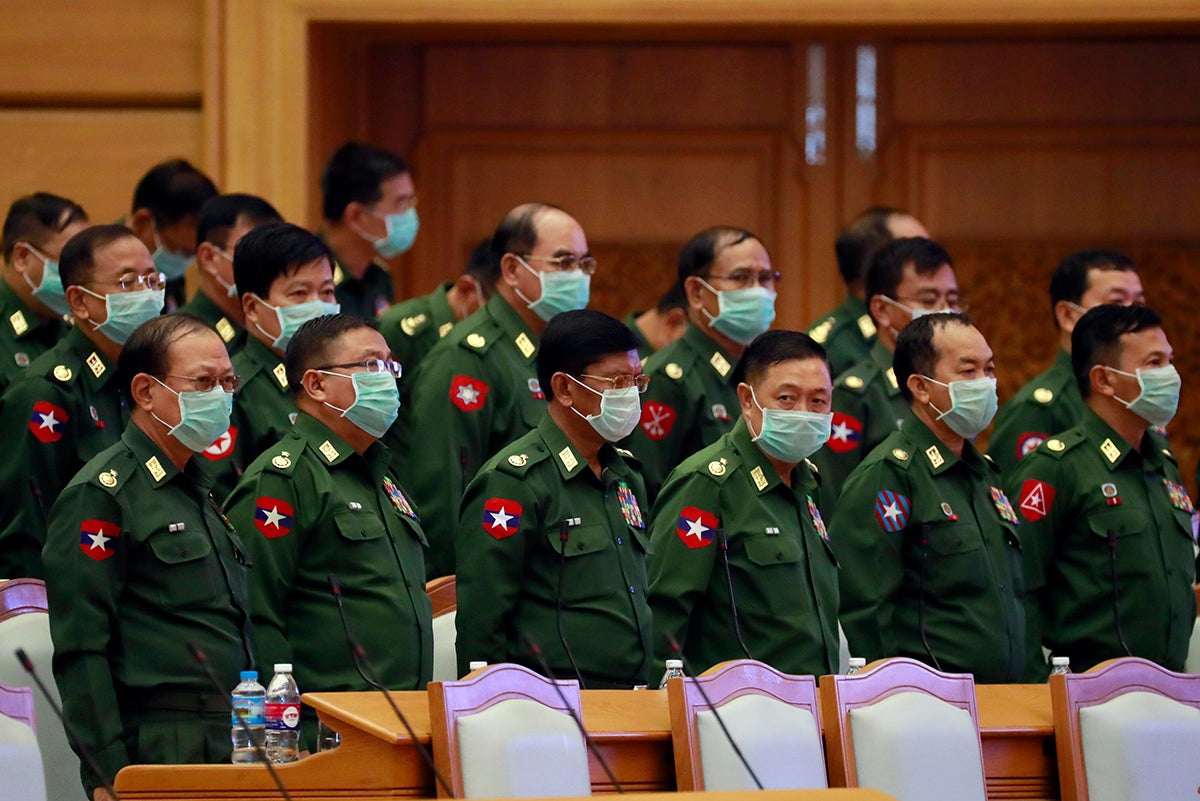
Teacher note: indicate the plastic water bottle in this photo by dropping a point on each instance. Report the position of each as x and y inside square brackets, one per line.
[1060, 665]
[476, 665]
[855, 664]
[674, 670]
[283, 716]
[248, 702]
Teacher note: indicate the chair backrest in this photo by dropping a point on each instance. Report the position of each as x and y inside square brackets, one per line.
[17, 703]
[19, 596]
[445, 646]
[773, 717]
[443, 594]
[504, 732]
[1127, 729]
[20, 760]
[905, 729]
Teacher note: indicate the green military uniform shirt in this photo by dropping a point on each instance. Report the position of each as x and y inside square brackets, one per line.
[847, 334]
[139, 563]
[690, 403]
[784, 576]
[644, 347]
[513, 575]
[1105, 525]
[1047, 405]
[310, 506]
[867, 407]
[61, 415]
[230, 331]
[475, 392]
[931, 564]
[24, 336]
[366, 297]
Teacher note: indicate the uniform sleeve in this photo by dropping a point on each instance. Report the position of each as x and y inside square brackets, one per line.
[1020, 426]
[660, 442]
[85, 559]
[870, 556]
[846, 447]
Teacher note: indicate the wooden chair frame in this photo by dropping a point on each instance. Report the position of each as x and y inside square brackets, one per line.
[22, 595]
[879, 680]
[17, 703]
[486, 687]
[1104, 682]
[723, 683]
[443, 593]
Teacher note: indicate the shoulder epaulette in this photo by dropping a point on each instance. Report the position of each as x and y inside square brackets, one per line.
[284, 455]
[816, 473]
[900, 457]
[481, 339]
[721, 468]
[854, 381]
[1059, 444]
[113, 477]
[519, 462]
[820, 331]
[414, 324]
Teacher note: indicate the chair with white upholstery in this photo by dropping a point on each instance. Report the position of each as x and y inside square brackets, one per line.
[1127, 729]
[443, 594]
[21, 777]
[504, 732]
[904, 729]
[771, 716]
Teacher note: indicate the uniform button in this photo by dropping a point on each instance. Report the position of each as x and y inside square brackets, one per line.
[620, 541]
[1003, 587]
[632, 591]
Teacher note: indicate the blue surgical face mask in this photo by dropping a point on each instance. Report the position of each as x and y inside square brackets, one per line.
[203, 416]
[230, 289]
[790, 435]
[973, 404]
[292, 317]
[50, 289]
[168, 262]
[126, 311]
[1159, 399]
[376, 401]
[742, 314]
[401, 233]
[562, 290]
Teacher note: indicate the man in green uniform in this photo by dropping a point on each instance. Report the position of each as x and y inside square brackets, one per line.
[926, 538]
[727, 276]
[907, 278]
[166, 205]
[740, 564]
[68, 407]
[552, 539]
[323, 501]
[1051, 403]
[285, 276]
[222, 222]
[848, 331]
[478, 389]
[140, 562]
[658, 327]
[1107, 523]
[369, 204]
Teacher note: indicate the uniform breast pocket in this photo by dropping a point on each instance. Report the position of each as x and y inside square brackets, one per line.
[767, 551]
[954, 559]
[1118, 522]
[184, 568]
[590, 570]
[776, 577]
[358, 526]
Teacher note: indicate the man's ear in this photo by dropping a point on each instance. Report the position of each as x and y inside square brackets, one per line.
[206, 258]
[1100, 378]
[694, 290]
[561, 386]
[919, 387]
[509, 264]
[141, 222]
[1066, 315]
[313, 383]
[139, 390]
[745, 397]
[79, 310]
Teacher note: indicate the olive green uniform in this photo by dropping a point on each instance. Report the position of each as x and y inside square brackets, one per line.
[60, 416]
[1107, 531]
[847, 334]
[514, 579]
[690, 403]
[139, 563]
[867, 407]
[644, 347]
[474, 393]
[366, 297]
[931, 562]
[24, 335]
[783, 574]
[230, 331]
[1047, 405]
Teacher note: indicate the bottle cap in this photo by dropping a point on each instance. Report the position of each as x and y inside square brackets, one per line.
[857, 662]
[674, 664]
[1058, 661]
[283, 667]
[249, 675]
[477, 665]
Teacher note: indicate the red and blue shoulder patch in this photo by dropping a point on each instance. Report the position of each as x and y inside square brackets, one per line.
[845, 432]
[501, 517]
[892, 510]
[696, 527]
[98, 539]
[273, 517]
[47, 422]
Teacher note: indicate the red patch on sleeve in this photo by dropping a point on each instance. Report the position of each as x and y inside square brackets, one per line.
[222, 446]
[98, 539]
[47, 421]
[468, 394]
[1036, 499]
[501, 517]
[696, 528]
[845, 432]
[273, 517]
[1027, 443]
[657, 419]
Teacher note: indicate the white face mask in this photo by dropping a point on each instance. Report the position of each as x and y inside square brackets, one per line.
[790, 435]
[620, 411]
[973, 404]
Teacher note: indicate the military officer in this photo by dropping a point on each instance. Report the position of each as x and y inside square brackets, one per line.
[730, 285]
[1051, 403]
[552, 538]
[68, 408]
[1107, 523]
[658, 327]
[848, 331]
[907, 278]
[323, 500]
[140, 561]
[223, 221]
[926, 538]
[32, 301]
[740, 563]
[478, 390]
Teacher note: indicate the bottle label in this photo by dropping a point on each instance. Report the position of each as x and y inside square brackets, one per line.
[283, 717]
[252, 710]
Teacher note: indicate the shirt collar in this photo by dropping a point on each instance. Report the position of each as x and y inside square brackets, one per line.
[1113, 448]
[331, 449]
[151, 460]
[713, 355]
[934, 453]
[510, 322]
[566, 456]
[95, 368]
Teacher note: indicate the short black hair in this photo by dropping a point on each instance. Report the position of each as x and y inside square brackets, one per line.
[517, 233]
[886, 272]
[310, 346]
[1096, 338]
[859, 241]
[271, 251]
[219, 215]
[572, 340]
[479, 266]
[354, 174]
[1070, 278]
[915, 353]
[37, 218]
[173, 191]
[77, 262]
[148, 349]
[697, 255]
[772, 347]
[674, 298]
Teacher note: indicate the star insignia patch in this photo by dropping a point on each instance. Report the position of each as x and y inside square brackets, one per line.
[1035, 500]
[696, 527]
[501, 517]
[98, 539]
[468, 394]
[845, 432]
[273, 517]
[892, 510]
[47, 422]
[657, 419]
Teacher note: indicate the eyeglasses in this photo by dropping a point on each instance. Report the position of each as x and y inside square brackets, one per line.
[135, 281]
[371, 366]
[623, 381]
[745, 277]
[938, 302]
[205, 383]
[586, 264]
